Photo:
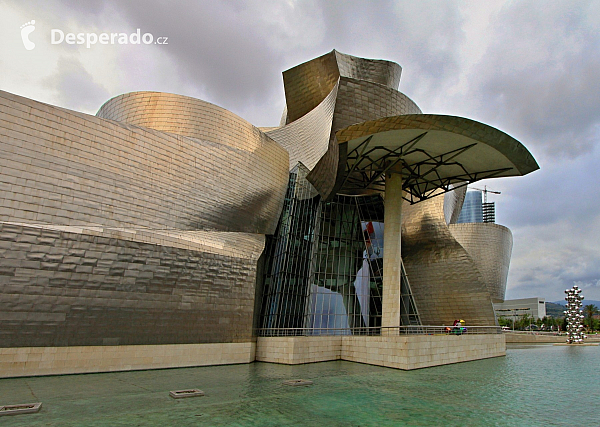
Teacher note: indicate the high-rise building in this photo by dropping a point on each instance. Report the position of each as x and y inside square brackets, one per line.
[472, 209]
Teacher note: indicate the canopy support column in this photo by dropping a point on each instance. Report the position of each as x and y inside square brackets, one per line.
[392, 259]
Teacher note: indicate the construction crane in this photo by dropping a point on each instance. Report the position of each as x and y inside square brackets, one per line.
[488, 209]
[485, 191]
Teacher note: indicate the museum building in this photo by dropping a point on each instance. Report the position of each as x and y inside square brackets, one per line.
[166, 231]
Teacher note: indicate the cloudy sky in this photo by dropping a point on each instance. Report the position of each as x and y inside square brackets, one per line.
[529, 68]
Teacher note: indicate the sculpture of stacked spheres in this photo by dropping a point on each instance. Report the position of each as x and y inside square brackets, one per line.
[574, 315]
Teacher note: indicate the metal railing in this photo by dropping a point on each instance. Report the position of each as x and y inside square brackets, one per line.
[379, 331]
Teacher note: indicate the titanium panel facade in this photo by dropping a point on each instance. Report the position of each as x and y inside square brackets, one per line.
[361, 100]
[316, 274]
[378, 71]
[453, 201]
[66, 168]
[70, 286]
[445, 280]
[101, 222]
[307, 139]
[490, 246]
[306, 85]
[186, 116]
[359, 89]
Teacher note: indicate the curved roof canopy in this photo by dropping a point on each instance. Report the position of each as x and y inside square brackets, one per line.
[431, 151]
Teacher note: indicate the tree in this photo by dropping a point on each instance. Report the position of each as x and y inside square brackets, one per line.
[523, 322]
[503, 321]
[589, 311]
[552, 323]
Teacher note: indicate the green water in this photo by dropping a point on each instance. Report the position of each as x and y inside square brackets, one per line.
[532, 386]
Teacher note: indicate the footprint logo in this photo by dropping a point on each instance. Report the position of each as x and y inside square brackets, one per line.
[26, 29]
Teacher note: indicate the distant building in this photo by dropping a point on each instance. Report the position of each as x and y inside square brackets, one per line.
[515, 308]
[475, 211]
[472, 209]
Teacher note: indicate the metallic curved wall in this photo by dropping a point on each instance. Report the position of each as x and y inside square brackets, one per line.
[453, 202]
[490, 246]
[146, 224]
[74, 286]
[65, 168]
[357, 101]
[307, 84]
[362, 100]
[445, 280]
[100, 222]
[185, 116]
[360, 89]
[307, 138]
[379, 71]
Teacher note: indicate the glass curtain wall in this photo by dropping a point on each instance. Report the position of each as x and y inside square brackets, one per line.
[324, 266]
[288, 259]
[409, 315]
[347, 287]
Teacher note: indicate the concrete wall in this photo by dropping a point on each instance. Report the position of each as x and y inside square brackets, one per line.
[399, 352]
[297, 350]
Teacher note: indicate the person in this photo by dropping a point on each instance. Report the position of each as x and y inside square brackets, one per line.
[456, 327]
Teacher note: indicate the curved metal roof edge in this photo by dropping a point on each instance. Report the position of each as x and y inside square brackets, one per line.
[505, 144]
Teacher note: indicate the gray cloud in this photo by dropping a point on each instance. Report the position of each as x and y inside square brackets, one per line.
[219, 47]
[532, 72]
[234, 52]
[424, 38]
[561, 190]
[539, 75]
[75, 86]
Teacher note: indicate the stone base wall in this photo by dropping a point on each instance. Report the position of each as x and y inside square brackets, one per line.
[422, 351]
[34, 361]
[532, 338]
[297, 350]
[400, 352]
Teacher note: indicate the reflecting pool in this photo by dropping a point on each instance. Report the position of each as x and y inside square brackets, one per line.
[529, 387]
